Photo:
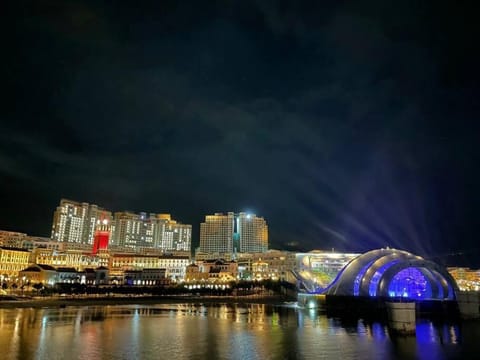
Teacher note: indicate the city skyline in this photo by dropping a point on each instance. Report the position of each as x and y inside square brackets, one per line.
[194, 244]
[77, 222]
[346, 126]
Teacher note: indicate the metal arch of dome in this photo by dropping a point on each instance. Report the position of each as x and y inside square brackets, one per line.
[443, 286]
[349, 280]
[370, 274]
[378, 267]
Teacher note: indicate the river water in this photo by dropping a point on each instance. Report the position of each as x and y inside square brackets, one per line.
[219, 331]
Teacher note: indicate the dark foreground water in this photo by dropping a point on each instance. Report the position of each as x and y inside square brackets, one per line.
[224, 331]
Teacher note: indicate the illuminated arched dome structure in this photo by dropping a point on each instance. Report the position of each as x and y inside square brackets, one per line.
[394, 273]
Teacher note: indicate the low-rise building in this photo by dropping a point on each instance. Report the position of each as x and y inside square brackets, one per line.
[70, 258]
[68, 275]
[193, 274]
[12, 261]
[212, 271]
[39, 273]
[145, 277]
[467, 279]
[49, 275]
[174, 266]
[118, 263]
[11, 238]
[33, 242]
[98, 276]
[273, 264]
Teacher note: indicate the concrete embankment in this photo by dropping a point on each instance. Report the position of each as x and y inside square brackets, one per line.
[132, 300]
[375, 307]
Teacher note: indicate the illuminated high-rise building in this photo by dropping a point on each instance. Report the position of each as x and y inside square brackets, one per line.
[171, 235]
[102, 236]
[157, 231]
[80, 223]
[216, 233]
[133, 230]
[75, 222]
[252, 233]
[231, 233]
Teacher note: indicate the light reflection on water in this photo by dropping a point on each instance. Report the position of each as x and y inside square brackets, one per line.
[219, 331]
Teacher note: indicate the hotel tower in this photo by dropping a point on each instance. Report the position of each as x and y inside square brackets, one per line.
[232, 233]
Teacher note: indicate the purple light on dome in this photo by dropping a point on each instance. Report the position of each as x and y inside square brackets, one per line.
[410, 283]
[372, 290]
[359, 278]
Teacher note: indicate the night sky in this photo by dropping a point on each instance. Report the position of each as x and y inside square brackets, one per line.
[351, 125]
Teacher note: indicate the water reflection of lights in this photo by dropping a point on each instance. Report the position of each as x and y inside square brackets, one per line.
[379, 331]
[362, 330]
[454, 332]
[44, 322]
[223, 330]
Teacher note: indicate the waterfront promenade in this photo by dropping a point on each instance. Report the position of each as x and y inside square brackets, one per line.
[92, 300]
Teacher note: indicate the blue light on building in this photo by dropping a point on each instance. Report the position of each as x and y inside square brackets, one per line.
[393, 273]
[410, 283]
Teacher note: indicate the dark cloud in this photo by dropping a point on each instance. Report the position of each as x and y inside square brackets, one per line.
[345, 126]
